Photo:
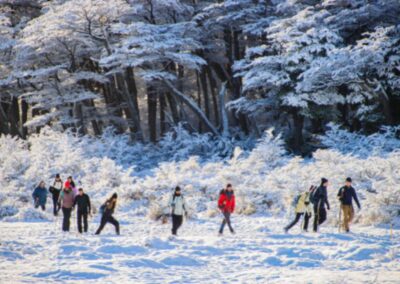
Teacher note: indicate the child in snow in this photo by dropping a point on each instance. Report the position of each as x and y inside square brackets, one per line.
[226, 203]
[108, 211]
[320, 199]
[346, 195]
[302, 207]
[82, 200]
[55, 190]
[66, 202]
[177, 204]
[40, 196]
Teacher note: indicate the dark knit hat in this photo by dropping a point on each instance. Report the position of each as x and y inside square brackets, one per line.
[323, 180]
[349, 179]
[115, 195]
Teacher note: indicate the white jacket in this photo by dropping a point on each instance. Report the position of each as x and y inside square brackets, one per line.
[58, 185]
[177, 205]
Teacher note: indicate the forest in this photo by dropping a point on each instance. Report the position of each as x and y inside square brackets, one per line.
[232, 69]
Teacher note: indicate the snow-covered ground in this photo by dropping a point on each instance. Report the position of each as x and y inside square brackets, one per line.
[38, 252]
[266, 179]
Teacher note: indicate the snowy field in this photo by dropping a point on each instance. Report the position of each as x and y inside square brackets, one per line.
[38, 252]
[266, 179]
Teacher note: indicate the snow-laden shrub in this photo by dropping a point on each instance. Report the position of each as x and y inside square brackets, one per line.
[381, 143]
[376, 180]
[29, 215]
[265, 179]
[7, 210]
[13, 161]
[201, 182]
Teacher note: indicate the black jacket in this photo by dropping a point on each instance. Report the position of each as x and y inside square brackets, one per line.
[83, 203]
[321, 197]
[346, 196]
[110, 206]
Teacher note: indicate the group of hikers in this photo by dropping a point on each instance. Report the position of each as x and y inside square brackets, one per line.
[314, 201]
[66, 196]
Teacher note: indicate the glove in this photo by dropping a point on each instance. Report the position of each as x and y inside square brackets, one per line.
[329, 208]
[186, 214]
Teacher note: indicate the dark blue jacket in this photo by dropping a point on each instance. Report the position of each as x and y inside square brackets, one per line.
[347, 194]
[321, 197]
[41, 194]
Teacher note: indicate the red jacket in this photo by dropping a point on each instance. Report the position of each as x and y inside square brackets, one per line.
[225, 203]
[67, 184]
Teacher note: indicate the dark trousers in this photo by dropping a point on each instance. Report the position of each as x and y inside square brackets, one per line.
[307, 217]
[226, 220]
[319, 217]
[176, 223]
[84, 216]
[108, 218]
[43, 206]
[66, 219]
[56, 208]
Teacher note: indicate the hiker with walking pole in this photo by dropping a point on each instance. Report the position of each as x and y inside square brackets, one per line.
[346, 195]
[302, 207]
[319, 198]
[226, 203]
[177, 204]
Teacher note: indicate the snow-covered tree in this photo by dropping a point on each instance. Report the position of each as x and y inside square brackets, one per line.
[57, 57]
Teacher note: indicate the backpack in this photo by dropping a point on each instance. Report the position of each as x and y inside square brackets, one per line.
[102, 208]
[313, 194]
[296, 200]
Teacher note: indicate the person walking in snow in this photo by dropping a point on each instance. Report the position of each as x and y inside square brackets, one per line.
[108, 209]
[69, 183]
[40, 196]
[226, 203]
[303, 206]
[66, 202]
[55, 190]
[320, 198]
[82, 201]
[346, 195]
[177, 204]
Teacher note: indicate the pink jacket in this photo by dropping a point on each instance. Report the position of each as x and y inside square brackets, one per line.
[67, 198]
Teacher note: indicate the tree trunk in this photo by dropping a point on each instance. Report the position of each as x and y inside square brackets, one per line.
[192, 105]
[298, 123]
[204, 87]
[163, 123]
[387, 112]
[152, 113]
[24, 107]
[224, 116]
[130, 110]
[13, 117]
[4, 128]
[173, 107]
[200, 127]
[130, 78]
[78, 115]
[233, 53]
[213, 87]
